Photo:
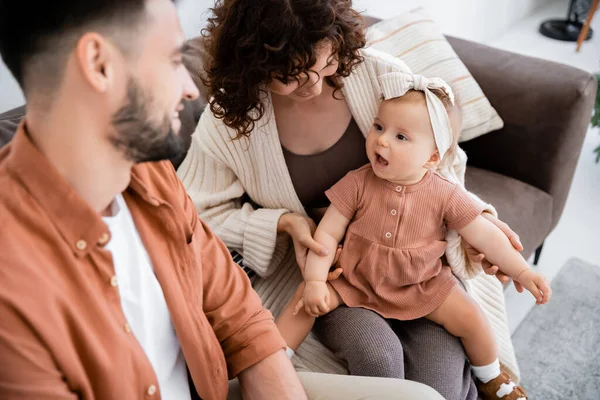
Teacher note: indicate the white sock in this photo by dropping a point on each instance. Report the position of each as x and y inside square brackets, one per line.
[290, 353]
[506, 389]
[487, 372]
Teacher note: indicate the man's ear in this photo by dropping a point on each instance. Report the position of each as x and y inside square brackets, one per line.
[94, 59]
[434, 161]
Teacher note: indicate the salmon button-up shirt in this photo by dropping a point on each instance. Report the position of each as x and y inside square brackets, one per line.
[63, 334]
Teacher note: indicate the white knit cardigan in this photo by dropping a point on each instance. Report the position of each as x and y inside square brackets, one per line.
[218, 171]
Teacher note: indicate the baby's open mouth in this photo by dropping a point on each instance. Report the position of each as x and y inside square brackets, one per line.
[381, 160]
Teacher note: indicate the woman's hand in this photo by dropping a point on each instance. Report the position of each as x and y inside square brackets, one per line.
[301, 229]
[479, 258]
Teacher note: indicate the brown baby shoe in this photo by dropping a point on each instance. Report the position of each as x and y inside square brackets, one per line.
[489, 390]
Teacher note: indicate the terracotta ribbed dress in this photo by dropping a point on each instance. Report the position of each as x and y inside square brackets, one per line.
[392, 252]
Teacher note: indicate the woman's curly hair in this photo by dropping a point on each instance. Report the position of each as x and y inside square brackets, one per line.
[249, 42]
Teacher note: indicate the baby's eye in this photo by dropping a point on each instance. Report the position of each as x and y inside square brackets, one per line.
[377, 127]
[401, 137]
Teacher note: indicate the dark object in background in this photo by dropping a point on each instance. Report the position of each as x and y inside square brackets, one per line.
[568, 30]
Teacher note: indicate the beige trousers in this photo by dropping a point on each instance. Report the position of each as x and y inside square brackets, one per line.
[346, 387]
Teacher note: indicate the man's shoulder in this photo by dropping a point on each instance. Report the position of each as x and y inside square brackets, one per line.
[22, 245]
[157, 177]
[160, 181]
[15, 204]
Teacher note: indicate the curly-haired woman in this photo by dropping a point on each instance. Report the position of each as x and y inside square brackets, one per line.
[292, 95]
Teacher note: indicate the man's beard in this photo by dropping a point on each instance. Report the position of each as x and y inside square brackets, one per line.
[140, 138]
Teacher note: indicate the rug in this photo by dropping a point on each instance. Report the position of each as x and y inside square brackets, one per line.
[558, 344]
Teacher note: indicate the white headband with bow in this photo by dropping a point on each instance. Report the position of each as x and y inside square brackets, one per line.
[397, 84]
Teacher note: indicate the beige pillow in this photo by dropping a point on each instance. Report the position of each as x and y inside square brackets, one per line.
[415, 38]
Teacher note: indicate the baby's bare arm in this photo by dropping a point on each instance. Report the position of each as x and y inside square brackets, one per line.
[491, 241]
[330, 232]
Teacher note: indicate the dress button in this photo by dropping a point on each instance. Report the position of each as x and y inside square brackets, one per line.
[81, 244]
[393, 212]
[151, 390]
[388, 235]
[113, 281]
[398, 188]
[127, 328]
[103, 239]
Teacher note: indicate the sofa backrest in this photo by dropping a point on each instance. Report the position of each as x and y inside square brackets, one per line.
[8, 124]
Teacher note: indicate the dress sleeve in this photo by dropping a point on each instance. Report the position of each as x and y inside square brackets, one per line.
[461, 209]
[344, 195]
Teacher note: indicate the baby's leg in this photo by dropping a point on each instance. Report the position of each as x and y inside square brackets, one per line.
[460, 315]
[295, 328]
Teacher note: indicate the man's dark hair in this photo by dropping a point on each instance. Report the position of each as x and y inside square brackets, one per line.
[36, 37]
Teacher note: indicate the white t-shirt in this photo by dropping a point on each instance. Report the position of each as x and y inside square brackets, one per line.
[144, 304]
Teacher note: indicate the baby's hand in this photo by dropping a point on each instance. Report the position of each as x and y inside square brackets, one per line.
[315, 299]
[537, 284]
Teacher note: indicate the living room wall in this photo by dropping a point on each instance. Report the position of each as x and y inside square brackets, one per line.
[478, 20]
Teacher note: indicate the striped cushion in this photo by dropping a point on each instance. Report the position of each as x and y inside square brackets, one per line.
[416, 39]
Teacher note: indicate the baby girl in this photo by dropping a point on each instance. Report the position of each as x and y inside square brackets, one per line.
[393, 215]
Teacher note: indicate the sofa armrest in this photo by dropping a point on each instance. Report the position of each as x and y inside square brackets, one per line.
[546, 108]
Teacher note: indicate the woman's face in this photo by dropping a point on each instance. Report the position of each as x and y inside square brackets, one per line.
[309, 84]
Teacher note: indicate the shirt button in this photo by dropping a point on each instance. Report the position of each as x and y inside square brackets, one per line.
[388, 235]
[103, 239]
[393, 212]
[113, 281]
[151, 390]
[398, 188]
[81, 244]
[127, 328]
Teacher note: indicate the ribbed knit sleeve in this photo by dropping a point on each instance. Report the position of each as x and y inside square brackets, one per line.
[461, 209]
[344, 195]
[217, 194]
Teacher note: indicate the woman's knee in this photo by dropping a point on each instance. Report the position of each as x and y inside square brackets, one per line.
[436, 358]
[379, 356]
[364, 339]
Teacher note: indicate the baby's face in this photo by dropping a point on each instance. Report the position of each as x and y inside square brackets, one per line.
[401, 142]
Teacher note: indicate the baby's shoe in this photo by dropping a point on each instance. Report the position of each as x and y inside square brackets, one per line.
[501, 388]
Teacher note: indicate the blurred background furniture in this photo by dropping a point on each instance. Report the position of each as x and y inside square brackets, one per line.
[573, 28]
[588, 21]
